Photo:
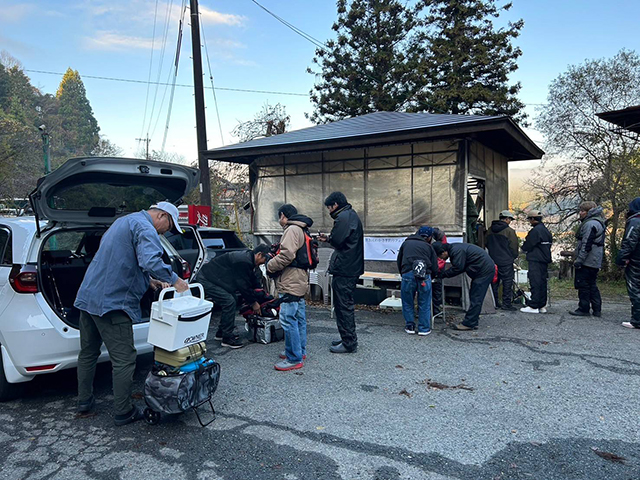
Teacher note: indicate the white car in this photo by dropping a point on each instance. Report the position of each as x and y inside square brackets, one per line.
[44, 258]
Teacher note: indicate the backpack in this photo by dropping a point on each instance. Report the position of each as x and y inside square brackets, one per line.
[307, 255]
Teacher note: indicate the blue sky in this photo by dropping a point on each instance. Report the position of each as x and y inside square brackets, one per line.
[251, 50]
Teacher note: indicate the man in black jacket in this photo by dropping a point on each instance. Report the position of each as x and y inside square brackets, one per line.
[346, 266]
[537, 245]
[417, 261]
[475, 262]
[629, 258]
[502, 244]
[225, 275]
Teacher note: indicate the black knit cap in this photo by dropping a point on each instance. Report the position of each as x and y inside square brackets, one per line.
[439, 247]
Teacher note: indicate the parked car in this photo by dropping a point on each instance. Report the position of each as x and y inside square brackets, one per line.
[44, 257]
[217, 241]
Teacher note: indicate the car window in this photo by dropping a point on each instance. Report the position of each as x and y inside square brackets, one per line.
[124, 198]
[64, 241]
[229, 239]
[5, 247]
[213, 243]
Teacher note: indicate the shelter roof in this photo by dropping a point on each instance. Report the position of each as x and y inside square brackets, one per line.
[500, 133]
[627, 118]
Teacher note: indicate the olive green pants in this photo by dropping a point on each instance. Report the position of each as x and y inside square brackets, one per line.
[116, 331]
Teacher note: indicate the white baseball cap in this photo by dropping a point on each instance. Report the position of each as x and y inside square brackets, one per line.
[507, 214]
[172, 210]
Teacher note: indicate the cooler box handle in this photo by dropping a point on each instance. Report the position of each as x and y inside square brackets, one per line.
[177, 294]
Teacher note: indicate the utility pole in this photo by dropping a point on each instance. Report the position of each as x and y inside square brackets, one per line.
[45, 148]
[201, 125]
[145, 140]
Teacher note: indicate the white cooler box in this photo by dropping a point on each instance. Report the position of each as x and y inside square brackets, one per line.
[180, 321]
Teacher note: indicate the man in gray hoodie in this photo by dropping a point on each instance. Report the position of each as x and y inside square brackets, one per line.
[588, 259]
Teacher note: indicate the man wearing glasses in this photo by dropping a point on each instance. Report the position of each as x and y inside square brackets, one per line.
[128, 262]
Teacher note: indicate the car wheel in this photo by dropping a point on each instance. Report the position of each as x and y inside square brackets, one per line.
[8, 391]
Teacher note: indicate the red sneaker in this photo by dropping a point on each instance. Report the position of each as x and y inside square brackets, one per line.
[285, 366]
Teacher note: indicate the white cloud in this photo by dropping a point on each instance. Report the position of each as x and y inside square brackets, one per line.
[15, 13]
[116, 41]
[217, 18]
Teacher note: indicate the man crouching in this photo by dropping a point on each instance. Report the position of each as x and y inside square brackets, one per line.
[292, 285]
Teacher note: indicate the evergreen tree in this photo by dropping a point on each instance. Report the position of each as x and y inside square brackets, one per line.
[366, 68]
[77, 117]
[466, 61]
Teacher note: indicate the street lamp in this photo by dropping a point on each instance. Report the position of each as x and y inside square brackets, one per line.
[45, 148]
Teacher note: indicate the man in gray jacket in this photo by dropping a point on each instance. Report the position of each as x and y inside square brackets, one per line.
[588, 259]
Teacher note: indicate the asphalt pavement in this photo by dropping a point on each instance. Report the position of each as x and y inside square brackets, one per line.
[523, 397]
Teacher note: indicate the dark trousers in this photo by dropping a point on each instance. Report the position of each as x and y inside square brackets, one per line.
[588, 293]
[343, 288]
[477, 292]
[632, 278]
[538, 277]
[226, 301]
[436, 296]
[116, 331]
[505, 275]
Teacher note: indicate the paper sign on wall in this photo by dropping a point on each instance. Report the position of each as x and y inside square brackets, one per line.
[382, 248]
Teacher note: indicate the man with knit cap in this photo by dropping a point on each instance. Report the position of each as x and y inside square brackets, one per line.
[292, 284]
[502, 243]
[629, 258]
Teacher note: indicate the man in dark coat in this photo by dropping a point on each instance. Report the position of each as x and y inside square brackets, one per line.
[225, 275]
[537, 245]
[629, 258]
[346, 266]
[502, 243]
[417, 261]
[588, 259]
[475, 262]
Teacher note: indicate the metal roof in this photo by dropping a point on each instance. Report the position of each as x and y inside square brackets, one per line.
[499, 132]
[627, 118]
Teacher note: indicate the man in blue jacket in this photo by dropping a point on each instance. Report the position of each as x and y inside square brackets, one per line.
[475, 262]
[346, 266]
[629, 258]
[537, 245]
[417, 261]
[127, 263]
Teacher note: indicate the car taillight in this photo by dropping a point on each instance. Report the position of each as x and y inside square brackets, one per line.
[24, 278]
[186, 270]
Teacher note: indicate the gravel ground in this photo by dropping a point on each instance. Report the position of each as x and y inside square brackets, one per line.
[541, 397]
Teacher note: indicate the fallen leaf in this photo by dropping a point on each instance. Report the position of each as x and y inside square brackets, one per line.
[514, 431]
[320, 428]
[432, 406]
[404, 392]
[399, 366]
[612, 457]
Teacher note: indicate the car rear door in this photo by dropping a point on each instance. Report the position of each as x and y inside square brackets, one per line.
[189, 246]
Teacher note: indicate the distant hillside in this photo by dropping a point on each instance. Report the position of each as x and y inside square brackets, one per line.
[519, 192]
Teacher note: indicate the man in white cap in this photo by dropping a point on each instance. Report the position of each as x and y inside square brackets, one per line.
[502, 243]
[128, 262]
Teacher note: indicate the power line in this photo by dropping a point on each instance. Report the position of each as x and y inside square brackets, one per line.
[303, 34]
[128, 80]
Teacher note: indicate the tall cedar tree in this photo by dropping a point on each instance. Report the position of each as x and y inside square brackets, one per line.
[366, 68]
[465, 61]
[77, 117]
